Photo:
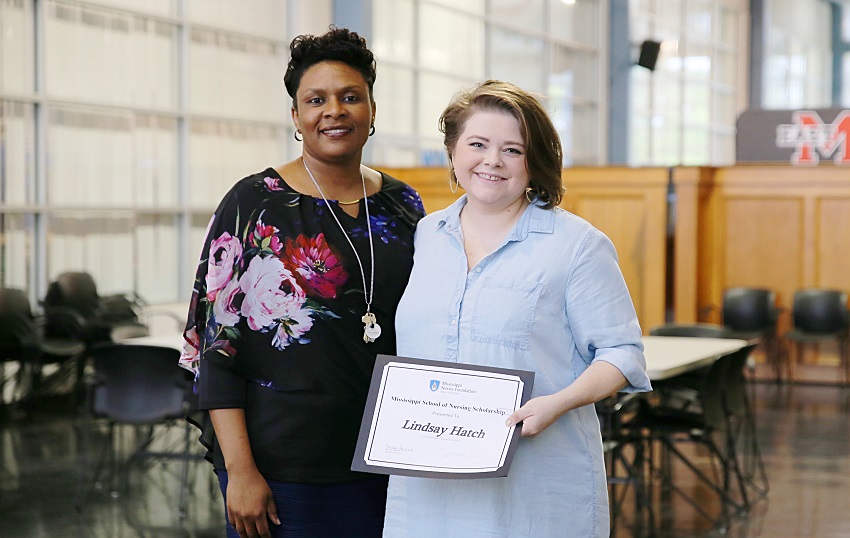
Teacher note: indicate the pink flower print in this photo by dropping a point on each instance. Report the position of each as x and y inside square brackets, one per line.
[271, 293]
[190, 356]
[291, 330]
[272, 183]
[316, 265]
[264, 237]
[224, 253]
[228, 303]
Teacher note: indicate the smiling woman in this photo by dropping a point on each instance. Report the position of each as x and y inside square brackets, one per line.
[334, 112]
[504, 278]
[295, 295]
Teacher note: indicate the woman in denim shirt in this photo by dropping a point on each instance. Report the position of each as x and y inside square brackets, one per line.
[504, 278]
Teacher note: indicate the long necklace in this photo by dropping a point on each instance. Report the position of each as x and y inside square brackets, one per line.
[371, 329]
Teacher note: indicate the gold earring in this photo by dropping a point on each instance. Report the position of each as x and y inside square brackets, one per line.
[533, 198]
[453, 182]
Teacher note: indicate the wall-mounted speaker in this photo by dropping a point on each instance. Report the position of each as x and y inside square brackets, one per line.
[649, 54]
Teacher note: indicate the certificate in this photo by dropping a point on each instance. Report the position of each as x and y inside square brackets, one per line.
[440, 419]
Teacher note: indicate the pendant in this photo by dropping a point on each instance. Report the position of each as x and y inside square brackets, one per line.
[371, 329]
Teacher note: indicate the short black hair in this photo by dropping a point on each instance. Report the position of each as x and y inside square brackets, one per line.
[337, 44]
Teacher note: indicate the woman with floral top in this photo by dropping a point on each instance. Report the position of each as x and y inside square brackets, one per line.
[296, 292]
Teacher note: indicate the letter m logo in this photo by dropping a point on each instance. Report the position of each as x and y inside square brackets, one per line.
[815, 139]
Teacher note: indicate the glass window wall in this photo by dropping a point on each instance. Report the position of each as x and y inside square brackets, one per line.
[550, 47]
[17, 56]
[122, 168]
[684, 112]
[797, 68]
[86, 52]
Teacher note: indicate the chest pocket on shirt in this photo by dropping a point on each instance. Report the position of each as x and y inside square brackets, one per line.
[503, 314]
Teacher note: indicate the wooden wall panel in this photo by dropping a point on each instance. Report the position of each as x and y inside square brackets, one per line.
[762, 243]
[432, 184]
[780, 227]
[691, 187]
[833, 243]
[624, 221]
[629, 205]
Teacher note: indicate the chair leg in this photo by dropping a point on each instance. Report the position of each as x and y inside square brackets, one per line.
[88, 485]
[720, 522]
[795, 359]
[183, 499]
[774, 355]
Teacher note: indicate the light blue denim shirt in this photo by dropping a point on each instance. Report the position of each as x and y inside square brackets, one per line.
[551, 299]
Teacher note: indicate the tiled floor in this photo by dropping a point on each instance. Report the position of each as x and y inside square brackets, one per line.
[44, 459]
[804, 433]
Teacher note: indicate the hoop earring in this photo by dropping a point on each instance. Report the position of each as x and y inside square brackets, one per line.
[531, 199]
[453, 182]
[295, 135]
[372, 130]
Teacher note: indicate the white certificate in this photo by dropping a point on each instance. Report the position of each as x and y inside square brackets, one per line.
[440, 419]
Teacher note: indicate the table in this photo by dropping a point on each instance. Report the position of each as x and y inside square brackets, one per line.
[666, 356]
[174, 340]
[669, 356]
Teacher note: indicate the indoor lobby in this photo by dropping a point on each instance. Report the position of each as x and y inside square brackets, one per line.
[709, 140]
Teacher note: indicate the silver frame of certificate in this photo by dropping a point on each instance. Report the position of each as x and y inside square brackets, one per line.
[440, 419]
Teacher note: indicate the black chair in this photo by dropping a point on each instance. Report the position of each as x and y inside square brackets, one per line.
[706, 426]
[141, 387]
[742, 425]
[77, 317]
[75, 293]
[739, 414]
[683, 388]
[625, 464]
[19, 342]
[750, 313]
[61, 347]
[820, 315]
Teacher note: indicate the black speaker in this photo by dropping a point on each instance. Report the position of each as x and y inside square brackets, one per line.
[649, 54]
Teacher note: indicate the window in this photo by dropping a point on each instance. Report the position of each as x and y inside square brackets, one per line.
[435, 48]
[684, 112]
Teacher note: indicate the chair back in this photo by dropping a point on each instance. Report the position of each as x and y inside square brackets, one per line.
[138, 384]
[734, 390]
[18, 332]
[693, 330]
[712, 395]
[820, 311]
[74, 290]
[15, 301]
[750, 310]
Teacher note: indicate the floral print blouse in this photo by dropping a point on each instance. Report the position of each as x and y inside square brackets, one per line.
[275, 319]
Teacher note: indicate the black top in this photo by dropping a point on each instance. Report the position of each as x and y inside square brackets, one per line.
[278, 302]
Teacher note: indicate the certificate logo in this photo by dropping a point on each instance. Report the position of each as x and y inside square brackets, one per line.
[435, 385]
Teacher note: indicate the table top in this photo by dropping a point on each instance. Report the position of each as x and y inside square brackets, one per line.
[666, 356]
[174, 340]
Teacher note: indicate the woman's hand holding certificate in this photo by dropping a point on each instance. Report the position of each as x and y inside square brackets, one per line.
[438, 419]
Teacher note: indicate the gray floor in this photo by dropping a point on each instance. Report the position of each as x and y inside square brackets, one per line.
[803, 430]
[49, 452]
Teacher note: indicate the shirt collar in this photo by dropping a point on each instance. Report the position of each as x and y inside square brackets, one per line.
[534, 219]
